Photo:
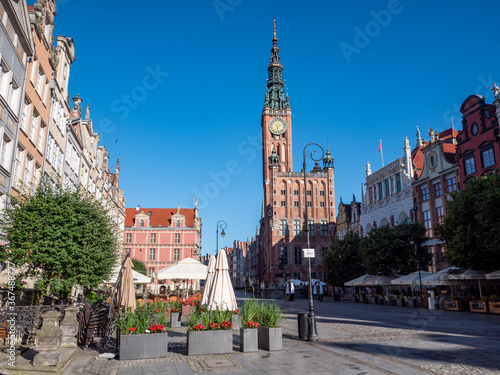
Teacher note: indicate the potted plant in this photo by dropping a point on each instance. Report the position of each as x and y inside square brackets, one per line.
[355, 297]
[210, 332]
[139, 337]
[494, 304]
[479, 306]
[452, 304]
[248, 331]
[400, 301]
[189, 305]
[236, 319]
[270, 332]
[175, 319]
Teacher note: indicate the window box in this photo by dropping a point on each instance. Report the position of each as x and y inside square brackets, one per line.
[143, 346]
[209, 342]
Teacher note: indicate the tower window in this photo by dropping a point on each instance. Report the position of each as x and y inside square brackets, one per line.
[283, 203]
[283, 192]
[296, 203]
[309, 192]
[295, 192]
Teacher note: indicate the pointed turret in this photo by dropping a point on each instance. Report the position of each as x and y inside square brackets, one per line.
[328, 160]
[274, 159]
[275, 96]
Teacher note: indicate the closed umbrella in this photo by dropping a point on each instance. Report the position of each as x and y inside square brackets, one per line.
[209, 281]
[127, 293]
[221, 296]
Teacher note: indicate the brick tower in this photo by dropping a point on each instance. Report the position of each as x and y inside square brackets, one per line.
[282, 226]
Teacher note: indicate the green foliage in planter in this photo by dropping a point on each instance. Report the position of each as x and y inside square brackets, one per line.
[494, 298]
[207, 318]
[249, 312]
[140, 319]
[95, 299]
[484, 298]
[270, 315]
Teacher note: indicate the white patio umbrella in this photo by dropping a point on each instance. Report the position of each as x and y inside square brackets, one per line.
[209, 280]
[434, 279]
[221, 296]
[468, 275]
[357, 281]
[314, 281]
[493, 275]
[377, 281]
[186, 269]
[411, 279]
[137, 277]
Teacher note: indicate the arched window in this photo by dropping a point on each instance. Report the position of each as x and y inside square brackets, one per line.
[178, 224]
[142, 223]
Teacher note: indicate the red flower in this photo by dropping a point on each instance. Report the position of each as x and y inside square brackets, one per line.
[199, 327]
[132, 329]
[236, 311]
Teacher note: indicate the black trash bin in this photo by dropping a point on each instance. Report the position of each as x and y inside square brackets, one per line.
[302, 318]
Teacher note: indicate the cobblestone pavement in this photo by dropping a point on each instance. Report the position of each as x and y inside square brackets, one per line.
[353, 339]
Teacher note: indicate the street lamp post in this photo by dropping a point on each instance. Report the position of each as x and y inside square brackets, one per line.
[223, 225]
[312, 335]
[417, 253]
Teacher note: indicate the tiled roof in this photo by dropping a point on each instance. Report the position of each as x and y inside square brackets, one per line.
[160, 216]
[447, 134]
[449, 151]
[418, 161]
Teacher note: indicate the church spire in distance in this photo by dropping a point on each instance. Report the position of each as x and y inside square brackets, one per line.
[275, 96]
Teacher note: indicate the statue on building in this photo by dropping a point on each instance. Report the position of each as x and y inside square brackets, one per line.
[87, 112]
[432, 135]
[496, 91]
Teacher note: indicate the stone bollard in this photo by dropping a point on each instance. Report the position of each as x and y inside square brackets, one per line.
[69, 327]
[48, 340]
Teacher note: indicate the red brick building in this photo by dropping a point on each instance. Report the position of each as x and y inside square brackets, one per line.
[283, 225]
[160, 237]
[478, 143]
[435, 177]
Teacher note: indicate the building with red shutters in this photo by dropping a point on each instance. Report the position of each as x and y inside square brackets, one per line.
[160, 237]
[283, 225]
[478, 143]
[435, 177]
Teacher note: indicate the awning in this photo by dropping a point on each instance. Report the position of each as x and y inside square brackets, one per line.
[378, 281]
[411, 279]
[493, 275]
[357, 281]
[186, 269]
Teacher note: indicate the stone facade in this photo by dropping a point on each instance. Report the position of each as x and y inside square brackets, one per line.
[16, 41]
[283, 225]
[436, 173]
[388, 197]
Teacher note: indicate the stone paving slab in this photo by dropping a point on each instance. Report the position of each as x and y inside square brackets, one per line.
[353, 339]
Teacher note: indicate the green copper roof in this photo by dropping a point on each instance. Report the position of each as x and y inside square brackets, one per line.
[275, 95]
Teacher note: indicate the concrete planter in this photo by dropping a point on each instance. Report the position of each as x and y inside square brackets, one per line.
[209, 342]
[270, 339]
[400, 302]
[249, 341]
[175, 320]
[236, 320]
[143, 346]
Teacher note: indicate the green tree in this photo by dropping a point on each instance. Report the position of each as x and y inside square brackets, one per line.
[60, 237]
[389, 250]
[343, 260]
[139, 266]
[472, 225]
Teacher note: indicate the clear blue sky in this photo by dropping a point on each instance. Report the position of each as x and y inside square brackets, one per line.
[197, 116]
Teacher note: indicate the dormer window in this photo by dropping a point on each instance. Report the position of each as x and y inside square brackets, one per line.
[178, 224]
[142, 223]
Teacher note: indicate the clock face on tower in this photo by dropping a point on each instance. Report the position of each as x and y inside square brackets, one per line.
[277, 125]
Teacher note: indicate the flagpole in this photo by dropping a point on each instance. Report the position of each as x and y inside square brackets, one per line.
[382, 153]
